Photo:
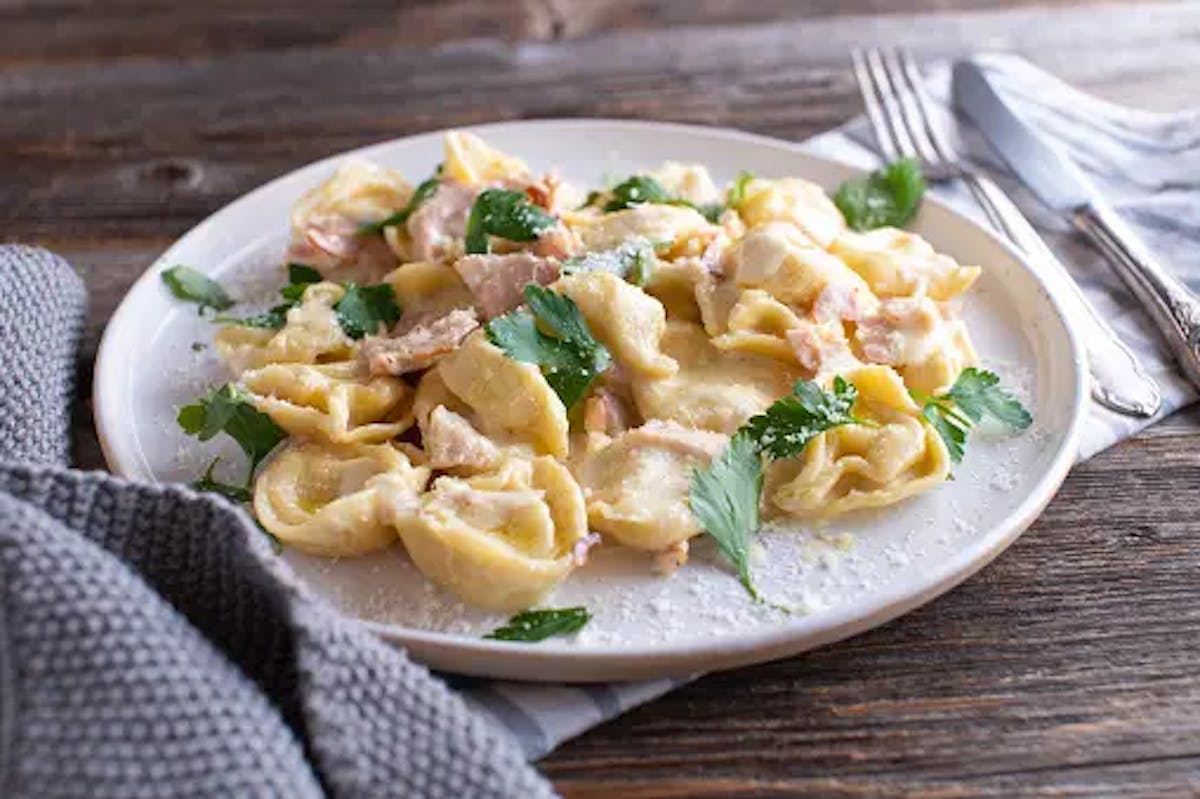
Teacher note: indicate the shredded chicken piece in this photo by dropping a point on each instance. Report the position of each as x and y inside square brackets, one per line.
[497, 281]
[440, 221]
[579, 553]
[452, 443]
[420, 346]
[605, 412]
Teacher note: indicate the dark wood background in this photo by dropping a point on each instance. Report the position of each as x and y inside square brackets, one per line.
[1070, 667]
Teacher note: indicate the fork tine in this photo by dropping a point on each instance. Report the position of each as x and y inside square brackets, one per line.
[889, 99]
[912, 77]
[869, 91]
[913, 114]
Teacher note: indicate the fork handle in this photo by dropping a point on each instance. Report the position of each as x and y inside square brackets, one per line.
[1119, 382]
[1174, 309]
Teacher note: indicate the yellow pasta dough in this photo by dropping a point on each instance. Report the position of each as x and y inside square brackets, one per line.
[624, 318]
[856, 466]
[509, 399]
[713, 389]
[500, 540]
[338, 402]
[329, 499]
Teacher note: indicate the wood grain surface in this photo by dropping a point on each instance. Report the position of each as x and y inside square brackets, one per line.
[1070, 667]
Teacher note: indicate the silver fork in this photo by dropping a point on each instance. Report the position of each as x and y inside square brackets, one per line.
[898, 109]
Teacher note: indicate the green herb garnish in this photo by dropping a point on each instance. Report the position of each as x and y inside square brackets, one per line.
[300, 277]
[641, 189]
[211, 484]
[188, 284]
[568, 354]
[725, 499]
[737, 192]
[538, 625]
[887, 197]
[975, 396]
[785, 428]
[505, 213]
[633, 261]
[421, 193]
[725, 496]
[362, 309]
[230, 410]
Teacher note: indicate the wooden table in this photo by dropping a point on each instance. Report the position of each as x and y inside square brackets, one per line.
[1071, 667]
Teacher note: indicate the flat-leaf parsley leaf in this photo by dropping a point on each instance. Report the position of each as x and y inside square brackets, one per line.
[725, 499]
[188, 284]
[424, 190]
[538, 625]
[887, 197]
[228, 409]
[785, 428]
[976, 395]
[568, 354]
[362, 309]
[725, 496]
[505, 213]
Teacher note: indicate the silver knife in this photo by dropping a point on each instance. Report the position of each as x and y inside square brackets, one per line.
[1060, 185]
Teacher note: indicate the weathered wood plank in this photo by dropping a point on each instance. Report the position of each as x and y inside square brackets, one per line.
[75, 30]
[1065, 669]
[145, 147]
[1068, 661]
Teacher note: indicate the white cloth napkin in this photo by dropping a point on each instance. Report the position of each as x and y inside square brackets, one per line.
[1147, 164]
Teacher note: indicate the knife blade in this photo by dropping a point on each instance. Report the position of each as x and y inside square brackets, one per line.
[1058, 183]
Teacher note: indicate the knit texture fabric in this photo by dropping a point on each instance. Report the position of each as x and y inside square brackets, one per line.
[152, 645]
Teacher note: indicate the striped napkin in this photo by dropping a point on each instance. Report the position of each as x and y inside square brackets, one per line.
[1147, 164]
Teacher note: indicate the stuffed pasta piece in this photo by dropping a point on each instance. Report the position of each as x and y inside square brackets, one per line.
[891, 457]
[500, 540]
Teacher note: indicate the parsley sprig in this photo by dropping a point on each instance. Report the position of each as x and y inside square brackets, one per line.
[976, 395]
[887, 197]
[300, 277]
[726, 495]
[362, 309]
[188, 284]
[424, 190]
[642, 189]
[505, 213]
[230, 410]
[208, 482]
[538, 625]
[552, 334]
[785, 428]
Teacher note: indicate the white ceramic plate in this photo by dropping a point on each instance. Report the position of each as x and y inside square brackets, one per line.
[854, 574]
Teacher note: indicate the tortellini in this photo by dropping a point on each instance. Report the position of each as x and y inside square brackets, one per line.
[795, 201]
[441, 432]
[624, 318]
[471, 160]
[779, 259]
[337, 402]
[510, 399]
[896, 263]
[759, 324]
[500, 540]
[334, 500]
[311, 334]
[662, 225]
[713, 389]
[637, 485]
[894, 456]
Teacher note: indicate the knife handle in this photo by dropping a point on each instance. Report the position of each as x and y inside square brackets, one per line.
[1119, 382]
[1174, 309]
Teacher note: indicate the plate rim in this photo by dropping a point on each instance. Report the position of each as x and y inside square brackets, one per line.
[480, 657]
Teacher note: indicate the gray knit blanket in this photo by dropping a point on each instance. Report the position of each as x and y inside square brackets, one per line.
[151, 645]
